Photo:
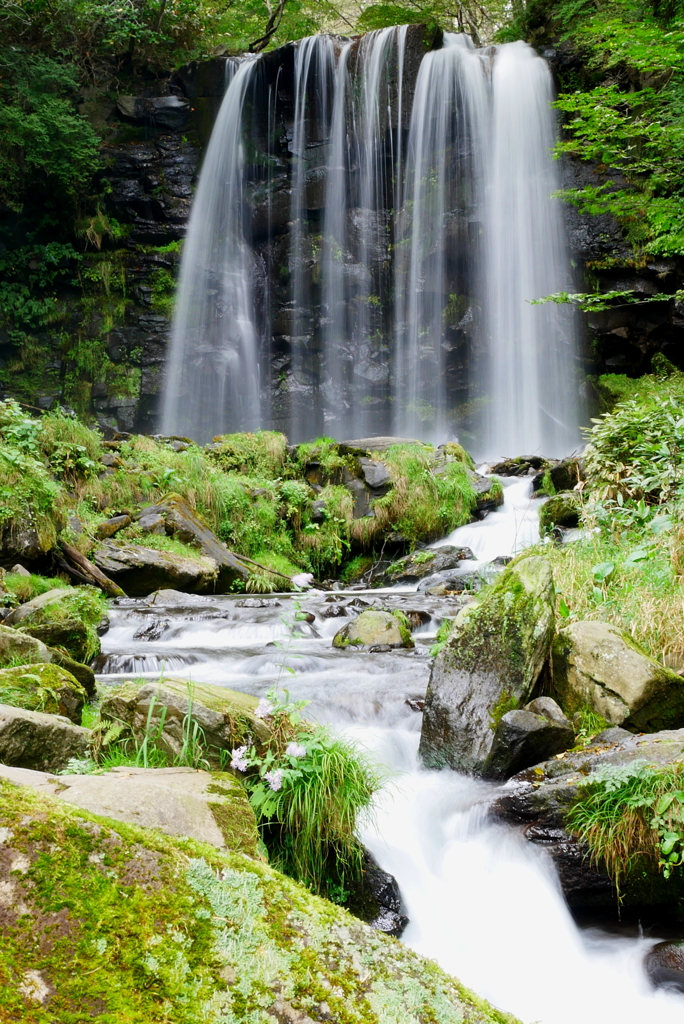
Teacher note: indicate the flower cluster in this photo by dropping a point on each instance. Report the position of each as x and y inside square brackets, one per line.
[239, 759]
[264, 709]
[275, 779]
[296, 750]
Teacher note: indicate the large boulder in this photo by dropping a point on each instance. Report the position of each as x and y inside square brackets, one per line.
[524, 738]
[537, 801]
[43, 688]
[560, 510]
[173, 928]
[665, 965]
[32, 739]
[64, 617]
[489, 666]
[15, 644]
[180, 520]
[210, 807]
[597, 665]
[226, 717]
[140, 571]
[374, 628]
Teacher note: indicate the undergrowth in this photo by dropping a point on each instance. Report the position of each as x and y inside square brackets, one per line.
[632, 817]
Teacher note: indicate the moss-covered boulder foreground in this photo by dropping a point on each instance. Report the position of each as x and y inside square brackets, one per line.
[110, 923]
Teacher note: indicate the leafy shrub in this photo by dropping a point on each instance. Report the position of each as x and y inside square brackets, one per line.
[260, 454]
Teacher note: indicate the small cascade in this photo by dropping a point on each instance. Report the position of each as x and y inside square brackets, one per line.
[213, 368]
[436, 258]
[528, 370]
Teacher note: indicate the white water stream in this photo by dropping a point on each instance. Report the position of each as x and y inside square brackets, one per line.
[481, 901]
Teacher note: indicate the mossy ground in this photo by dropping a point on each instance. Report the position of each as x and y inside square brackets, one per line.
[108, 922]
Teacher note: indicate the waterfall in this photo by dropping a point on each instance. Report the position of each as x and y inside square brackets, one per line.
[528, 368]
[213, 372]
[372, 223]
[434, 277]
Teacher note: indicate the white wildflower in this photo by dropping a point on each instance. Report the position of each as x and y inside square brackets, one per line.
[264, 709]
[296, 750]
[275, 779]
[239, 759]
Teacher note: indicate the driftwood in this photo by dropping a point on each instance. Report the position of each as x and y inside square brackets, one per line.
[82, 569]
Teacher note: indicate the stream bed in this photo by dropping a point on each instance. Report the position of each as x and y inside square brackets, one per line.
[481, 901]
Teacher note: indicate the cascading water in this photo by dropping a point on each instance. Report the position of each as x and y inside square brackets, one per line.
[529, 356]
[436, 260]
[480, 900]
[213, 369]
[394, 293]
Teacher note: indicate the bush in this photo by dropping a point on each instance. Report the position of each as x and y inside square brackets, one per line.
[261, 454]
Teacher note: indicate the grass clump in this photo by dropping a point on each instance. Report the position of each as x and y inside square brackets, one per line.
[632, 818]
[421, 505]
[25, 588]
[260, 454]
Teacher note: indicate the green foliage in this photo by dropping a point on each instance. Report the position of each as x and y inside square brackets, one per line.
[45, 145]
[632, 817]
[260, 454]
[307, 790]
[25, 588]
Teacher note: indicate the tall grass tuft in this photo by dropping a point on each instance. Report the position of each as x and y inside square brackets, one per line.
[632, 818]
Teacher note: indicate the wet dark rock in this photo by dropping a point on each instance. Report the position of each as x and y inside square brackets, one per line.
[426, 562]
[153, 630]
[415, 703]
[375, 474]
[334, 611]
[524, 738]
[379, 900]
[169, 112]
[524, 465]
[665, 965]
[564, 475]
[489, 666]
[152, 523]
[32, 739]
[560, 510]
[140, 571]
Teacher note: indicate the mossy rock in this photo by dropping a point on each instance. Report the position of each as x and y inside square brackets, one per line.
[226, 717]
[111, 922]
[597, 665]
[46, 688]
[17, 647]
[560, 510]
[374, 628]
[65, 617]
[488, 666]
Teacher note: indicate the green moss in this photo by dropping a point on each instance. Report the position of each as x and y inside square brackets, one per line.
[234, 816]
[506, 702]
[131, 925]
[563, 509]
[261, 454]
[41, 687]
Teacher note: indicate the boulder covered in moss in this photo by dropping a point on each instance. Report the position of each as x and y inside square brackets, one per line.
[180, 520]
[45, 687]
[226, 717]
[425, 562]
[65, 617]
[211, 807]
[374, 628]
[33, 739]
[596, 665]
[560, 510]
[489, 666]
[17, 646]
[140, 571]
[105, 921]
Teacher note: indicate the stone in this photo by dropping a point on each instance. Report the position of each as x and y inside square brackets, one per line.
[560, 510]
[524, 738]
[175, 515]
[665, 965]
[22, 540]
[112, 526]
[15, 643]
[375, 474]
[56, 619]
[224, 716]
[223, 930]
[596, 665]
[139, 570]
[43, 687]
[371, 628]
[33, 739]
[73, 635]
[537, 799]
[210, 807]
[38, 604]
[368, 445]
[426, 562]
[19, 570]
[170, 112]
[489, 666]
